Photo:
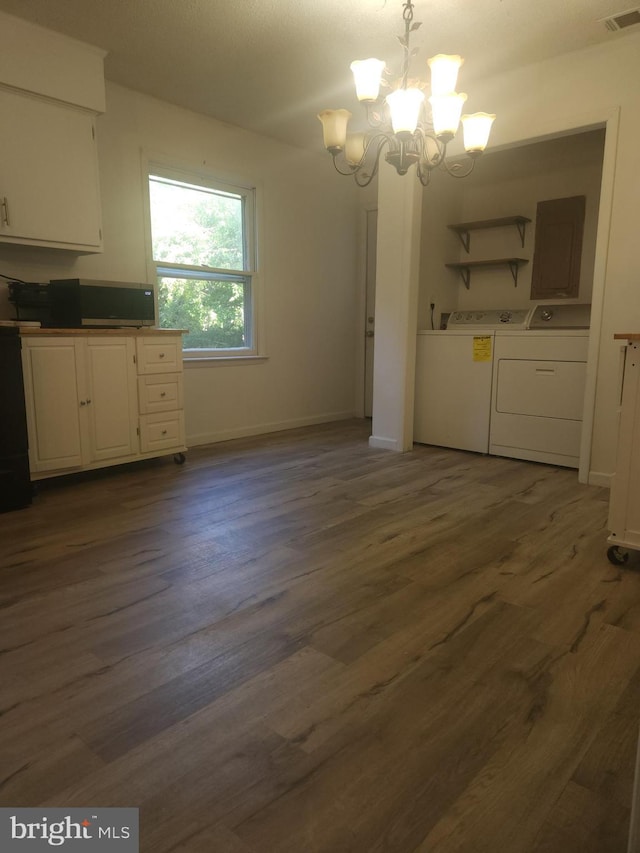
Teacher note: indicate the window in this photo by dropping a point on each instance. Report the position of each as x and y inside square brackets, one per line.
[202, 238]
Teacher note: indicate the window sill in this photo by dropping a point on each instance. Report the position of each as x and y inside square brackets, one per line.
[224, 360]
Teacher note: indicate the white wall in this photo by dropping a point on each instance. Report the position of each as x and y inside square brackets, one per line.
[441, 205]
[307, 265]
[580, 90]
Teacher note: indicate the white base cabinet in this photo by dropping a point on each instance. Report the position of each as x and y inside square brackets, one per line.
[90, 402]
[624, 498]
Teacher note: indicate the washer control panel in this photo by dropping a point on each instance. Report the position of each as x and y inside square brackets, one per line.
[516, 318]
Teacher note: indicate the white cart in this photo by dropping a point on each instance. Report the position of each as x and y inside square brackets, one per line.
[624, 501]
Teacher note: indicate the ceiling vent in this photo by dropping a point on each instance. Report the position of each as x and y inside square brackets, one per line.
[622, 20]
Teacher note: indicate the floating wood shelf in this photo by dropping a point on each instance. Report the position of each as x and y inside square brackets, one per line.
[463, 229]
[465, 267]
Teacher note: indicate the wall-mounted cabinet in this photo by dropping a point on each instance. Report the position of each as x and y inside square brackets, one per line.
[558, 248]
[51, 89]
[49, 189]
[464, 229]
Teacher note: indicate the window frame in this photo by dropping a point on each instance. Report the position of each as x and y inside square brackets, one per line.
[248, 192]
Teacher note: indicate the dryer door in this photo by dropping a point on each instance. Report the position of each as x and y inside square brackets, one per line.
[538, 395]
[546, 389]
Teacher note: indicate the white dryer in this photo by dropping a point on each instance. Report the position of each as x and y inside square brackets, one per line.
[539, 378]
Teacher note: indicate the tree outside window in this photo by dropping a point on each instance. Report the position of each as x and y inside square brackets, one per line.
[202, 249]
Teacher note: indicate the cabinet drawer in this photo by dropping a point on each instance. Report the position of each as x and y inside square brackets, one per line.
[161, 431]
[161, 392]
[159, 355]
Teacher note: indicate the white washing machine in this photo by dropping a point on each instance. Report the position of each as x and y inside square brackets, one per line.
[454, 372]
[538, 386]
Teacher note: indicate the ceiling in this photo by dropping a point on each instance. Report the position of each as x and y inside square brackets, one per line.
[271, 65]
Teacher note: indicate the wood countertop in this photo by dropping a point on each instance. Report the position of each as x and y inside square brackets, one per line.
[128, 332]
[630, 336]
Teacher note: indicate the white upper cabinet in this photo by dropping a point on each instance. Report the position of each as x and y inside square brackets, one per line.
[49, 190]
[51, 90]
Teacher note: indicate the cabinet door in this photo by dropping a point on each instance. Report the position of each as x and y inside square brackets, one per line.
[558, 248]
[48, 174]
[111, 401]
[52, 371]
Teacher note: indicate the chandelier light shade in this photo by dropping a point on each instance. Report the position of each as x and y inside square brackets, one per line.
[444, 73]
[354, 148]
[405, 105]
[476, 129]
[401, 121]
[446, 111]
[334, 128]
[367, 74]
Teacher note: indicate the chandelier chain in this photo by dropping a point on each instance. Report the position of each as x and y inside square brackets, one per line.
[407, 16]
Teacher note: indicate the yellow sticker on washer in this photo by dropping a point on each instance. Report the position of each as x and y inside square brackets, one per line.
[482, 348]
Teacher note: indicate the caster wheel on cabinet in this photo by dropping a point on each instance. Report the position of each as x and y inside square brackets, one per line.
[617, 555]
[179, 458]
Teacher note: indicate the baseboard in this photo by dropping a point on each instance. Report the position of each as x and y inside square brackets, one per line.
[597, 478]
[263, 429]
[383, 443]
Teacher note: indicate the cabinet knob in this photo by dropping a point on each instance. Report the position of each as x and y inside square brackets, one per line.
[163, 393]
[161, 355]
[83, 402]
[164, 432]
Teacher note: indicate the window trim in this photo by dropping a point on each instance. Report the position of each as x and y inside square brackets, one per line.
[162, 167]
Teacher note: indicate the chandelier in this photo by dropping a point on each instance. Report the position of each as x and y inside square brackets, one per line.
[400, 122]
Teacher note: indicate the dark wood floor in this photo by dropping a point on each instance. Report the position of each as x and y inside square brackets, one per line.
[296, 644]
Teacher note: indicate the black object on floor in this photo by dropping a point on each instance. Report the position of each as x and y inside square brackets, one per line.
[15, 481]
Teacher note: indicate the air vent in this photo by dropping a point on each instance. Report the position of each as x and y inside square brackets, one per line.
[622, 20]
